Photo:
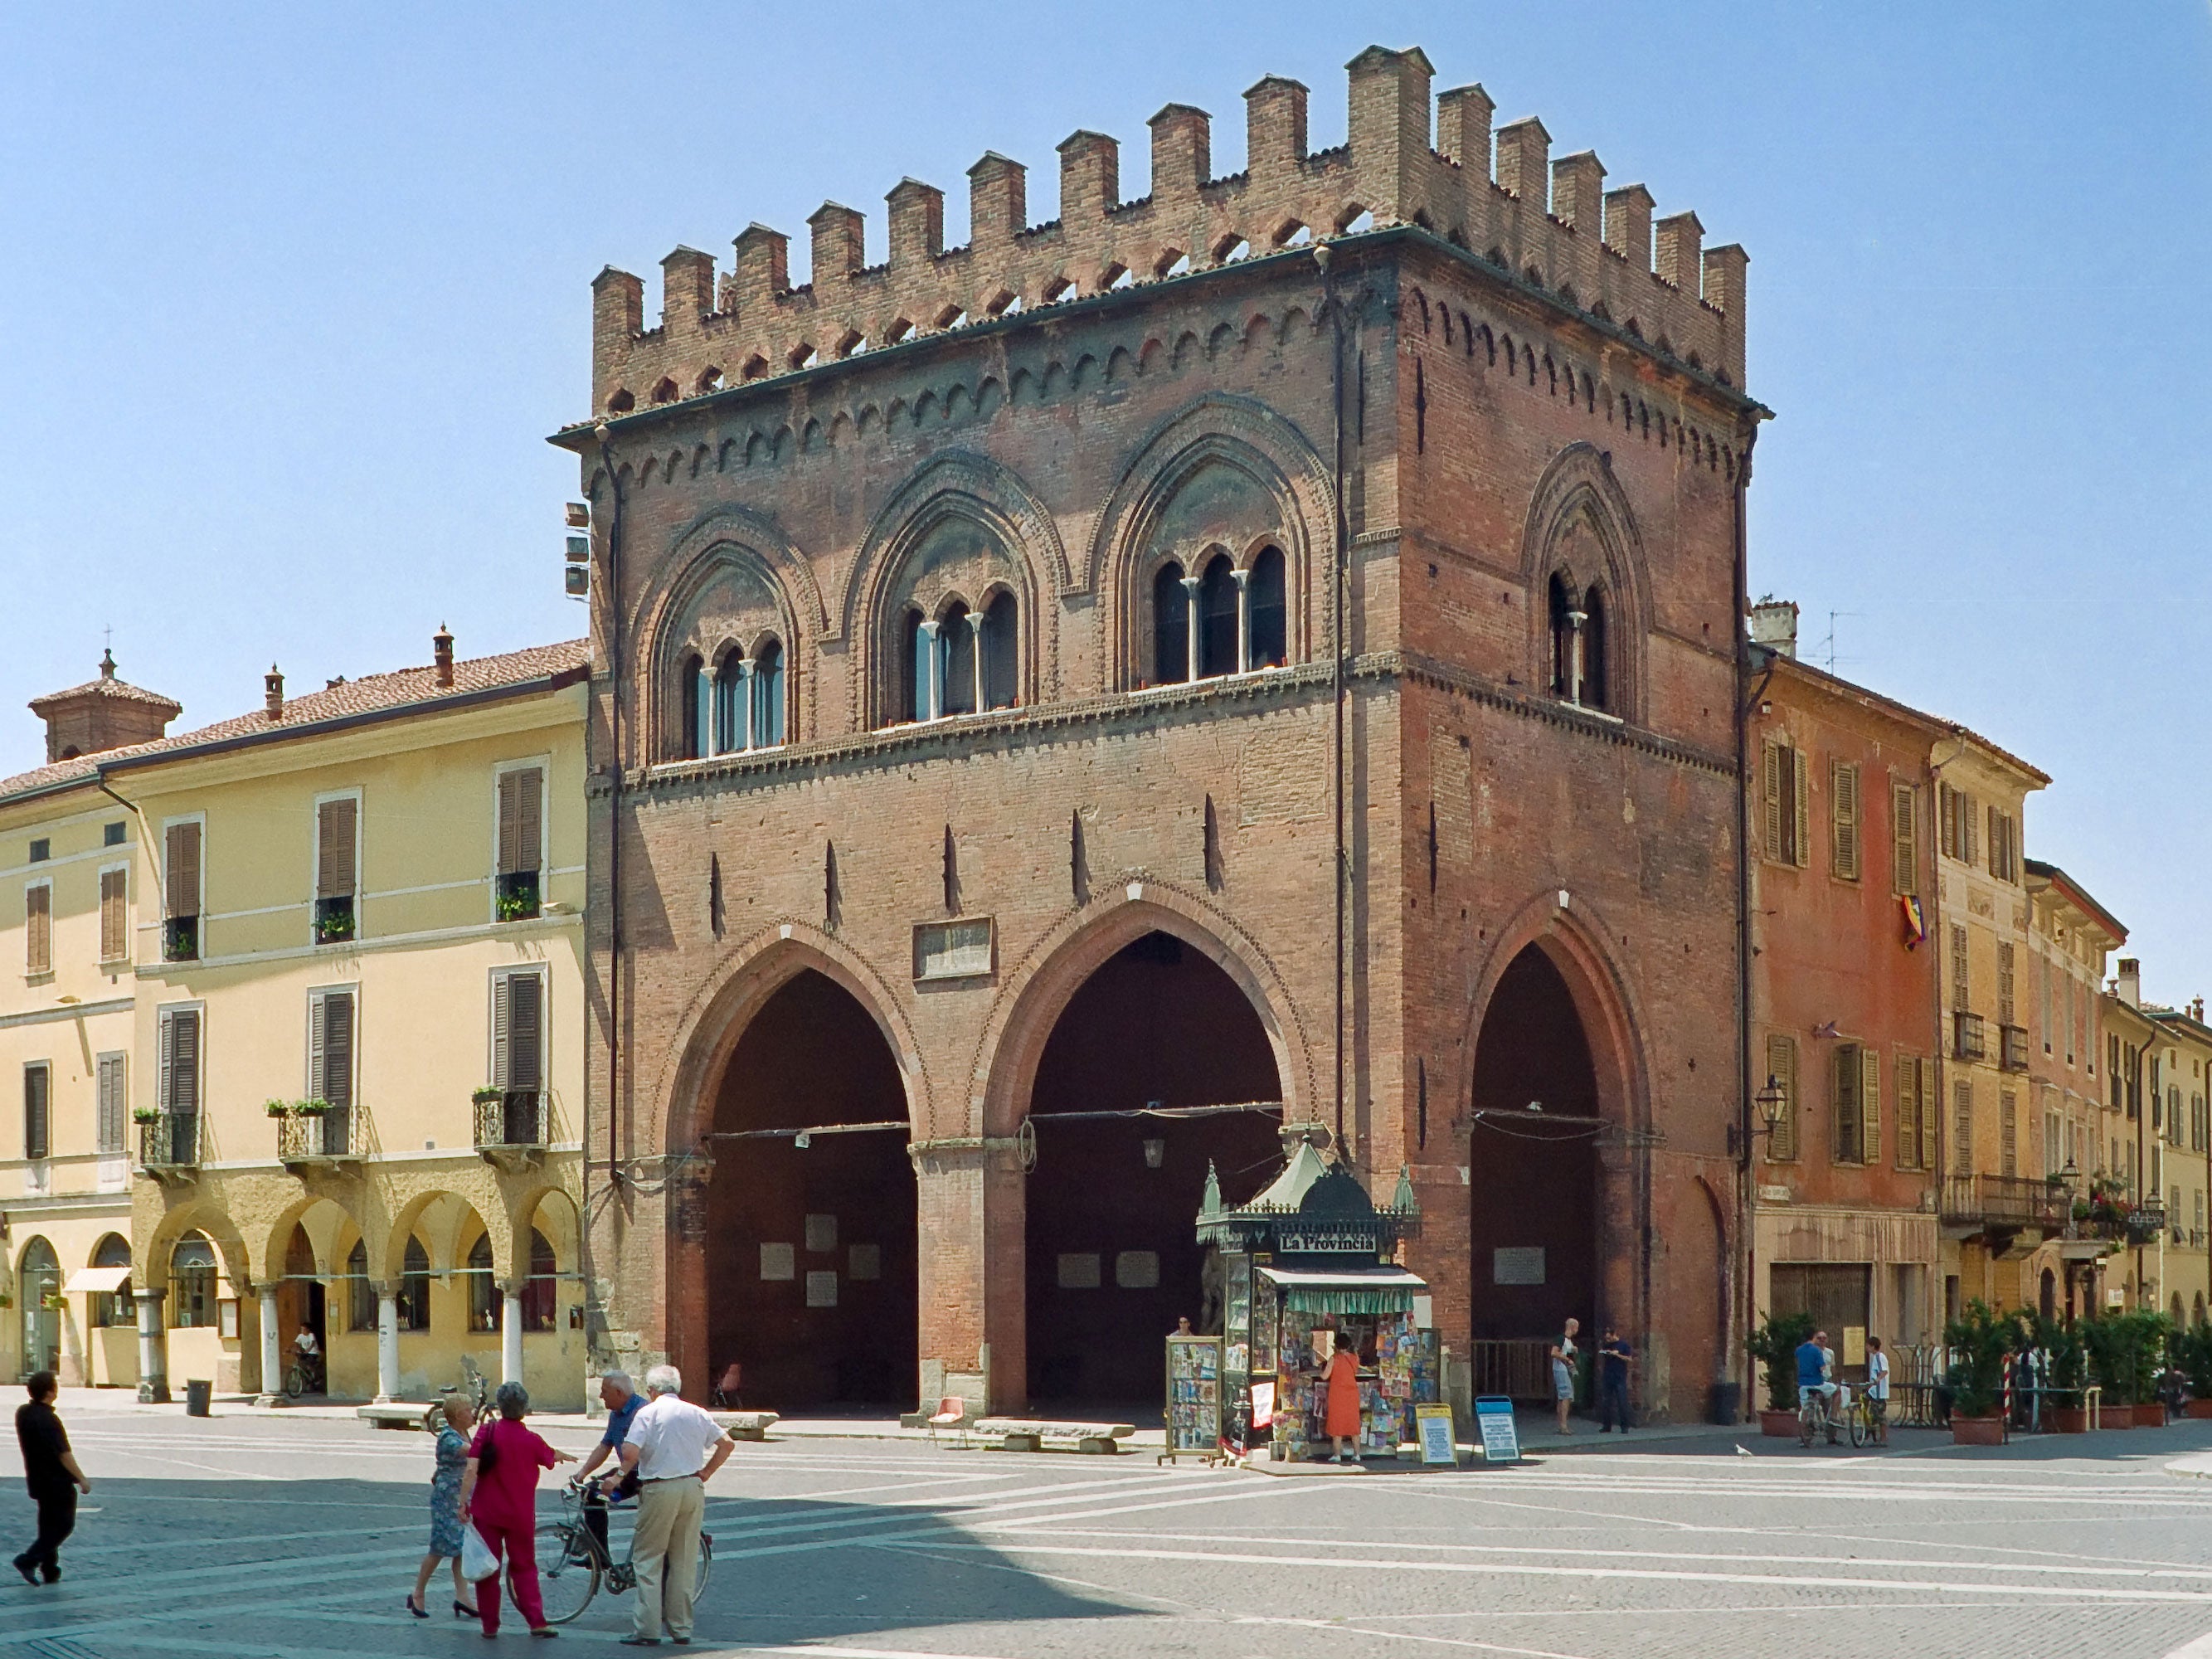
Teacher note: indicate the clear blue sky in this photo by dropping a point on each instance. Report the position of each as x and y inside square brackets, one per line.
[289, 296]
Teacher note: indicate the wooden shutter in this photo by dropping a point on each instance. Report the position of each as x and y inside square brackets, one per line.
[1869, 1107]
[2008, 1132]
[112, 1102]
[38, 928]
[1782, 1066]
[334, 842]
[500, 1022]
[1801, 826]
[1908, 1116]
[1844, 819]
[114, 915]
[1903, 842]
[316, 1005]
[2005, 984]
[336, 1084]
[37, 1103]
[1770, 777]
[1924, 1109]
[1962, 1126]
[181, 884]
[521, 812]
[1844, 1094]
[1969, 844]
[181, 1061]
[525, 1031]
[1959, 982]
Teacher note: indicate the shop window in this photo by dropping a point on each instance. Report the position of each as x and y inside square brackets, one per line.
[191, 1283]
[484, 1286]
[414, 1287]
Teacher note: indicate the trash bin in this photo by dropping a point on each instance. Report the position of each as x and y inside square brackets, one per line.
[196, 1396]
[1726, 1403]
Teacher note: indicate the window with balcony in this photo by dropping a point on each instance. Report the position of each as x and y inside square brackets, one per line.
[172, 1138]
[337, 838]
[515, 1115]
[332, 1045]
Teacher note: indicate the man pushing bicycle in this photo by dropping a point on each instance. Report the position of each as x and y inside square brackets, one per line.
[1816, 1388]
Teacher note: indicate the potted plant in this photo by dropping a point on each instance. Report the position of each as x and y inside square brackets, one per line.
[145, 1114]
[2153, 1330]
[2066, 1375]
[2111, 1340]
[311, 1107]
[275, 1107]
[2193, 1352]
[487, 1092]
[1978, 1339]
[53, 1301]
[1774, 1345]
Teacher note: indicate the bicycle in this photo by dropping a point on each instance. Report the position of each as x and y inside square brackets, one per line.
[1863, 1421]
[574, 1561]
[1814, 1415]
[305, 1376]
[472, 1385]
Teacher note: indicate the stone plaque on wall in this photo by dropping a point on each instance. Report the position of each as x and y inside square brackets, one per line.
[1079, 1272]
[777, 1262]
[821, 1233]
[821, 1288]
[867, 1262]
[1517, 1264]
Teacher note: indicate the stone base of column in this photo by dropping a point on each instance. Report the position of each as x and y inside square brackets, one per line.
[154, 1393]
[267, 1400]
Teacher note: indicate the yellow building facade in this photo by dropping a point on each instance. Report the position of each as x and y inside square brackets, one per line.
[311, 1034]
[2183, 1051]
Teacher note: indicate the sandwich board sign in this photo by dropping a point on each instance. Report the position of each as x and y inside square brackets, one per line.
[1493, 1418]
[1434, 1425]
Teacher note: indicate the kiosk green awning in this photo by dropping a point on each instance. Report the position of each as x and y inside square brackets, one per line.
[1347, 1290]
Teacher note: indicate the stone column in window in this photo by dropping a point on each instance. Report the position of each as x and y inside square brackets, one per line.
[1576, 641]
[272, 1352]
[932, 673]
[510, 1330]
[744, 721]
[1244, 620]
[975, 656]
[1190, 585]
[387, 1343]
[153, 1350]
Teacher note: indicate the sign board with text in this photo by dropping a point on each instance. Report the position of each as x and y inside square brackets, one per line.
[1494, 1420]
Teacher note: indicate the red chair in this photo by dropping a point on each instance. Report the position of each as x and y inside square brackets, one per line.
[952, 1412]
[728, 1393]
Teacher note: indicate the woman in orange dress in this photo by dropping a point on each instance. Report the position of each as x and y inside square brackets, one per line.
[1340, 1407]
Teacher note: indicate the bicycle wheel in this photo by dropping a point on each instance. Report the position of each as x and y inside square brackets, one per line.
[295, 1383]
[1805, 1424]
[706, 1561]
[1860, 1429]
[567, 1569]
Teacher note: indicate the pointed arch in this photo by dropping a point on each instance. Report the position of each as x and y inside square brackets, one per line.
[1581, 528]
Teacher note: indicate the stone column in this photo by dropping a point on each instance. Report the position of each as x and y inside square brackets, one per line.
[272, 1353]
[387, 1343]
[744, 734]
[1190, 585]
[931, 704]
[1244, 620]
[510, 1331]
[153, 1349]
[976, 653]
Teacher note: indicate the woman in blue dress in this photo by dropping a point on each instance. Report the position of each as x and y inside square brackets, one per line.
[452, 1456]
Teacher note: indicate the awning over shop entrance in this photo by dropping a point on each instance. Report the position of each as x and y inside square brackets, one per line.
[1349, 1290]
[105, 1280]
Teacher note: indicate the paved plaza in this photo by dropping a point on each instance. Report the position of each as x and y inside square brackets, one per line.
[275, 1533]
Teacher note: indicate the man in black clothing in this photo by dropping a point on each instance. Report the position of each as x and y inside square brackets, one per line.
[1612, 1357]
[50, 1470]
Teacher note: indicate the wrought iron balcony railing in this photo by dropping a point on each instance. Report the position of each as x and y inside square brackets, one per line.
[511, 1123]
[315, 1137]
[1990, 1200]
[169, 1142]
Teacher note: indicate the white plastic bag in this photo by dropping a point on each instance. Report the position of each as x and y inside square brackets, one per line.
[477, 1561]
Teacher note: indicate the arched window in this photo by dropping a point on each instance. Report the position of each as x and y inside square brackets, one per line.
[484, 1286]
[919, 647]
[768, 695]
[1595, 690]
[1269, 609]
[1217, 618]
[695, 739]
[414, 1286]
[956, 637]
[191, 1283]
[538, 1290]
[1000, 682]
[360, 1294]
[113, 1308]
[730, 703]
[1561, 609]
[1171, 627]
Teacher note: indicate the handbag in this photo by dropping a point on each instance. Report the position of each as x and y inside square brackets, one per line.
[478, 1563]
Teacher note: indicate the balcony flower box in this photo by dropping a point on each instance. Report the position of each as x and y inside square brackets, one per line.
[1976, 1430]
[275, 1108]
[146, 1115]
[311, 1107]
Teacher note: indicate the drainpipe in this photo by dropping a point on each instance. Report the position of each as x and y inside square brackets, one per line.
[1740, 1303]
[1336, 642]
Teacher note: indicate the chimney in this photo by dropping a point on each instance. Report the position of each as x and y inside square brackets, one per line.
[2131, 981]
[1774, 625]
[272, 693]
[442, 653]
[2196, 1010]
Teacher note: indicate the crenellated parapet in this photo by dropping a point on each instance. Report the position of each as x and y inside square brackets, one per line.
[1411, 159]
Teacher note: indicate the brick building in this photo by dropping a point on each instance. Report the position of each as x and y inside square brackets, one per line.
[1269, 644]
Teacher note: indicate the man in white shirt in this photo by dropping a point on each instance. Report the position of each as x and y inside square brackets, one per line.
[673, 1447]
[1877, 1387]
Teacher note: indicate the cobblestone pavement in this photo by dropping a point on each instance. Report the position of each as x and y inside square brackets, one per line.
[253, 1534]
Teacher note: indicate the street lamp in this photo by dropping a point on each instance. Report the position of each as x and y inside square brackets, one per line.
[1772, 1100]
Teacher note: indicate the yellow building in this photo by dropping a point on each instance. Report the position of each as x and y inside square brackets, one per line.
[1997, 1208]
[2183, 1051]
[306, 1050]
[2128, 1153]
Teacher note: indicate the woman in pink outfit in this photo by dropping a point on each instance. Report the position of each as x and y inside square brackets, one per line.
[499, 1499]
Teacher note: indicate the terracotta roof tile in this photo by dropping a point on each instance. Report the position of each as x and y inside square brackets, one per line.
[371, 694]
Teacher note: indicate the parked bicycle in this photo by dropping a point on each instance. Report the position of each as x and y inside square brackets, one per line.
[305, 1376]
[574, 1558]
[1815, 1413]
[473, 1386]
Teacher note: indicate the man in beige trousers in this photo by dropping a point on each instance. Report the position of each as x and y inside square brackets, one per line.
[674, 1449]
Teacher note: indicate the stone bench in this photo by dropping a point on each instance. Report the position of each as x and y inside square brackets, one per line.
[395, 1414]
[1027, 1434]
[747, 1425]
